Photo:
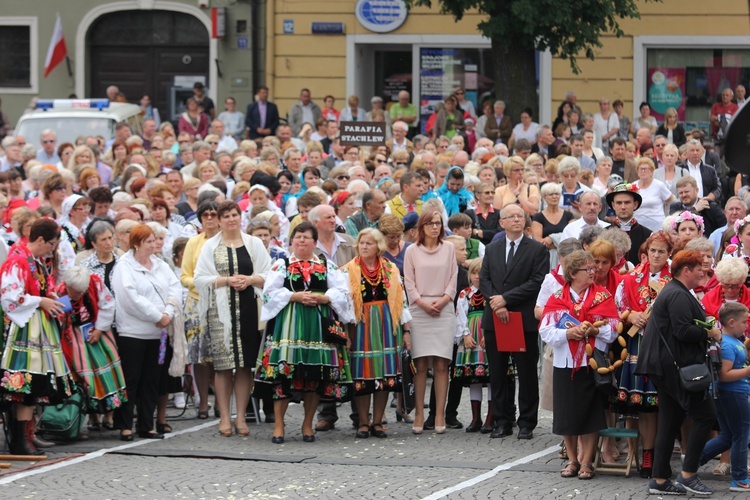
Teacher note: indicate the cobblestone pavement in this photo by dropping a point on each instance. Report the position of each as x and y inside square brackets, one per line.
[200, 464]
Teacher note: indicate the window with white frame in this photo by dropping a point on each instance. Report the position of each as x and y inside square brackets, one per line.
[18, 54]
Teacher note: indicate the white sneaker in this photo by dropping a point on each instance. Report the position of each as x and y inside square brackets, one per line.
[179, 401]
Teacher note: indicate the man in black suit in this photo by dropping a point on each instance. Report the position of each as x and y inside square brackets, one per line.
[709, 186]
[262, 117]
[544, 146]
[713, 215]
[512, 273]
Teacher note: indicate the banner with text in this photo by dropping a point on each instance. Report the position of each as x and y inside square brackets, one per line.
[362, 133]
[666, 89]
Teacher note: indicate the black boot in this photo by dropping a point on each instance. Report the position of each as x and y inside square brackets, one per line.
[476, 417]
[487, 427]
[20, 443]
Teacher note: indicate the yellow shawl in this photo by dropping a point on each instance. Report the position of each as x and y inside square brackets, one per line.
[392, 286]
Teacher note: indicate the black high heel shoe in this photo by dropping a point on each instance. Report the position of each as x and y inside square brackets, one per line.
[401, 416]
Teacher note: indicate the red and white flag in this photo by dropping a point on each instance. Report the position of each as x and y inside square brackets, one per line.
[57, 51]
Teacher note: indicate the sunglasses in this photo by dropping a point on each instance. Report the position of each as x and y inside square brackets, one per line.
[213, 143]
[209, 215]
[49, 141]
[342, 177]
[59, 188]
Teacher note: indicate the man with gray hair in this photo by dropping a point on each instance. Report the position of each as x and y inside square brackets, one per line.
[405, 112]
[399, 141]
[226, 141]
[704, 175]
[13, 157]
[293, 160]
[201, 153]
[373, 206]
[499, 126]
[589, 204]
[545, 140]
[48, 153]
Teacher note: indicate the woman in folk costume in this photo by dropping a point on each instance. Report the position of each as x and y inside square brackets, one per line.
[568, 326]
[33, 367]
[472, 367]
[88, 343]
[379, 315]
[636, 394]
[299, 291]
[75, 213]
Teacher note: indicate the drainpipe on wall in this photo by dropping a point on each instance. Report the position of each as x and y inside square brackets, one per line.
[269, 59]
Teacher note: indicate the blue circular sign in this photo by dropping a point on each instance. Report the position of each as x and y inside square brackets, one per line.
[381, 16]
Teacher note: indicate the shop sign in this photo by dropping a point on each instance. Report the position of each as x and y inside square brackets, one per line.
[439, 75]
[327, 28]
[381, 16]
[666, 89]
[362, 133]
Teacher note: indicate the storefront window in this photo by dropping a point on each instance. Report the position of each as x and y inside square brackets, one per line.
[443, 70]
[691, 81]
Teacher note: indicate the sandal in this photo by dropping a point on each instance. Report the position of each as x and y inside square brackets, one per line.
[108, 425]
[586, 474]
[225, 432]
[163, 428]
[203, 415]
[563, 454]
[242, 431]
[571, 469]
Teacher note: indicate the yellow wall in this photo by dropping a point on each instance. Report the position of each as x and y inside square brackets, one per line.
[318, 62]
[611, 74]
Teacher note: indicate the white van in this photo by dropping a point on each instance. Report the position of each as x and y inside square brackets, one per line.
[71, 118]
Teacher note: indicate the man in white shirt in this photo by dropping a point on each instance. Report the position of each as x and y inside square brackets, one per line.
[606, 125]
[48, 154]
[693, 164]
[740, 93]
[226, 141]
[590, 204]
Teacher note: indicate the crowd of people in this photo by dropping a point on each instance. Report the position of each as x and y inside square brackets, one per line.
[270, 261]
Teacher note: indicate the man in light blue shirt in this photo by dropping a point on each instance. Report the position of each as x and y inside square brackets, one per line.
[48, 154]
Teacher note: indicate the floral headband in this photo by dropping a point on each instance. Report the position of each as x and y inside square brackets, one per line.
[739, 224]
[686, 216]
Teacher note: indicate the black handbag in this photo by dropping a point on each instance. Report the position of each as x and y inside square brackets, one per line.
[604, 382]
[334, 331]
[693, 378]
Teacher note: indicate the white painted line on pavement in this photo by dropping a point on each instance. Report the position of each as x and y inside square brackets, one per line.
[99, 453]
[489, 475]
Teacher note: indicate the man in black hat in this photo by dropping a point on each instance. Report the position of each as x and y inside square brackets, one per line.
[625, 200]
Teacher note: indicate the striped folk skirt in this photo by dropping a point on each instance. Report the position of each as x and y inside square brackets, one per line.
[297, 359]
[472, 366]
[375, 354]
[33, 369]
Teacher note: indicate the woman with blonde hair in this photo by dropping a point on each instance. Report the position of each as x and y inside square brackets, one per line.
[516, 191]
[671, 172]
[655, 194]
[208, 171]
[381, 318]
[671, 128]
[82, 155]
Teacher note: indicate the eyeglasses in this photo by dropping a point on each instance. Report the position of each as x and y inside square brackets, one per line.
[49, 141]
[209, 215]
[59, 188]
[343, 177]
[514, 217]
[488, 192]
[517, 170]
[731, 286]
[586, 269]
[213, 143]
[379, 161]
[434, 224]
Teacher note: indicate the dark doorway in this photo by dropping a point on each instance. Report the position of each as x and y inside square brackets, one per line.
[142, 51]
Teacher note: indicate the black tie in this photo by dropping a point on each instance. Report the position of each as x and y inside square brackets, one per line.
[510, 254]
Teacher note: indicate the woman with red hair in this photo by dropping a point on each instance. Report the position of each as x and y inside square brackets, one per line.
[636, 395]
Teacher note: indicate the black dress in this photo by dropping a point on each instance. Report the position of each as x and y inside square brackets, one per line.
[489, 225]
[549, 228]
[243, 306]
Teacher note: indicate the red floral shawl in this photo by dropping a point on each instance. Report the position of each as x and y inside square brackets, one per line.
[714, 299]
[637, 295]
[597, 305]
[30, 270]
